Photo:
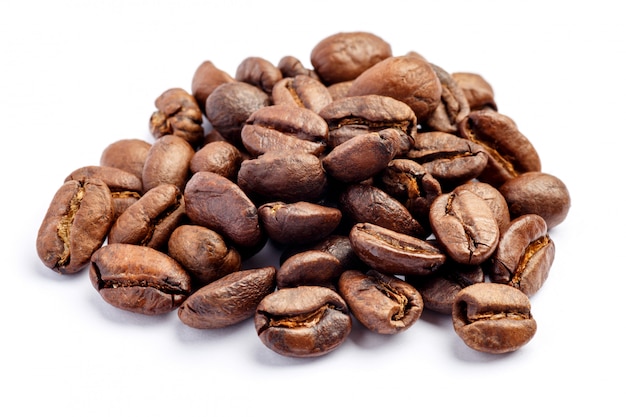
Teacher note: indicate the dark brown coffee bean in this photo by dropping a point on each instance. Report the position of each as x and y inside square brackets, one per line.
[138, 278]
[177, 114]
[167, 162]
[301, 91]
[306, 321]
[453, 106]
[510, 152]
[284, 128]
[439, 289]
[537, 193]
[524, 255]
[450, 159]
[311, 267]
[284, 176]
[290, 66]
[382, 303]
[340, 247]
[477, 90]
[464, 226]
[363, 156]
[258, 72]
[127, 154]
[215, 202]
[412, 185]
[352, 116]
[203, 253]
[207, 78]
[152, 219]
[406, 78]
[394, 253]
[363, 203]
[229, 300]
[298, 223]
[493, 318]
[344, 56]
[219, 157]
[229, 106]
[494, 199]
[125, 187]
[75, 226]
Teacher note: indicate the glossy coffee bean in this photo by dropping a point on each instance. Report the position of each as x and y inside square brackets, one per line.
[306, 321]
[464, 226]
[75, 225]
[228, 300]
[524, 255]
[382, 303]
[493, 318]
[302, 91]
[138, 278]
[310, 267]
[167, 162]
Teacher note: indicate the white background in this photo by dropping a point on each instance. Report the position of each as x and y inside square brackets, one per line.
[77, 76]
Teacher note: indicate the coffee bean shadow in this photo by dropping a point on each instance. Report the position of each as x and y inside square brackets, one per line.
[264, 356]
[464, 353]
[123, 317]
[365, 338]
[189, 335]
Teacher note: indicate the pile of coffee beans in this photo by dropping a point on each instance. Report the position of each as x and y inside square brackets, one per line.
[389, 186]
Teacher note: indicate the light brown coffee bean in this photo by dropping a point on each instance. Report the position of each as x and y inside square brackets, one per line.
[167, 162]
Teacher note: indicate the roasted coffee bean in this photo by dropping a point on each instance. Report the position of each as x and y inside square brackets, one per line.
[203, 253]
[382, 303]
[177, 114]
[453, 106]
[411, 184]
[219, 157]
[364, 203]
[229, 300]
[344, 56]
[494, 199]
[510, 152]
[394, 253]
[352, 116]
[152, 219]
[258, 72]
[167, 162]
[364, 156]
[75, 225]
[464, 226]
[537, 193]
[214, 201]
[298, 223]
[439, 289]
[126, 188]
[290, 66]
[284, 176]
[138, 278]
[306, 321]
[477, 90]
[493, 318]
[311, 267]
[284, 128]
[450, 159]
[127, 154]
[229, 106]
[524, 255]
[339, 90]
[302, 91]
[340, 247]
[406, 78]
[207, 78]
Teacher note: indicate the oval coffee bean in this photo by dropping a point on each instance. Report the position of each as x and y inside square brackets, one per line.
[214, 201]
[493, 318]
[138, 278]
[167, 162]
[524, 255]
[464, 226]
[383, 304]
[229, 300]
[152, 219]
[127, 154]
[219, 157]
[494, 199]
[394, 253]
[302, 91]
[537, 193]
[301, 322]
[310, 267]
[76, 224]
